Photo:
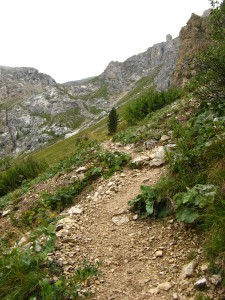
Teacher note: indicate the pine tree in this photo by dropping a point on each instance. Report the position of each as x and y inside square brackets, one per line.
[112, 121]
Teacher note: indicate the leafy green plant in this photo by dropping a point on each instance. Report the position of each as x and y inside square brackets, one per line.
[22, 269]
[148, 204]
[83, 273]
[112, 162]
[214, 219]
[198, 143]
[63, 197]
[189, 204]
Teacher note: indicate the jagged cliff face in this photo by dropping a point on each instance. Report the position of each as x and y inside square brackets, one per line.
[34, 109]
[18, 83]
[194, 37]
[158, 61]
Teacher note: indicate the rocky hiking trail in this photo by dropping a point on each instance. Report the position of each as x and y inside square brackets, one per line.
[139, 259]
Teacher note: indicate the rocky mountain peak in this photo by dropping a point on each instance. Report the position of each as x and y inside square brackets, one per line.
[157, 61]
[207, 13]
[169, 38]
[17, 83]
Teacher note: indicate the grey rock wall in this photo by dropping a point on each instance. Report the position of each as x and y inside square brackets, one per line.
[158, 61]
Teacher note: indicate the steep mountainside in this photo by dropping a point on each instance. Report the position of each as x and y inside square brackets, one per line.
[158, 61]
[34, 109]
[18, 83]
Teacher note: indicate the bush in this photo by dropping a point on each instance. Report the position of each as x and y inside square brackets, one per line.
[64, 196]
[12, 178]
[150, 102]
[154, 201]
[211, 64]
[214, 223]
[190, 204]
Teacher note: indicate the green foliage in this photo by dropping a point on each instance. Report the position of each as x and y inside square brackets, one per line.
[150, 102]
[199, 143]
[143, 204]
[26, 273]
[189, 204]
[22, 269]
[112, 162]
[211, 64]
[20, 275]
[63, 197]
[201, 296]
[127, 136]
[13, 177]
[214, 224]
[112, 121]
[83, 273]
[52, 203]
[149, 204]
[5, 163]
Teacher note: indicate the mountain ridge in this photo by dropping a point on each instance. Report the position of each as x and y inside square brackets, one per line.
[35, 110]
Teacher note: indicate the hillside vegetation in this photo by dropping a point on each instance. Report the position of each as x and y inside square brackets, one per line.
[35, 191]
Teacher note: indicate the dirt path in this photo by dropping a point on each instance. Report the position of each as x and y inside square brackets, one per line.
[140, 259]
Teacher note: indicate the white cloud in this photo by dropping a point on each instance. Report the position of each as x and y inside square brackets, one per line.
[73, 39]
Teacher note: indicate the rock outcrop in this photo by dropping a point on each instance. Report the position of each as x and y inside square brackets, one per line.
[34, 109]
[18, 83]
[158, 62]
[194, 37]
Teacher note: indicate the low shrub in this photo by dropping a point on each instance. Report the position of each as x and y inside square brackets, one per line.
[150, 102]
[190, 204]
[13, 177]
[214, 224]
[112, 162]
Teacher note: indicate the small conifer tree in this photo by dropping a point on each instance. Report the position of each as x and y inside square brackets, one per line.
[112, 121]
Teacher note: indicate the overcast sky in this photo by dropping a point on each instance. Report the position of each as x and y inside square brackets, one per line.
[75, 39]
